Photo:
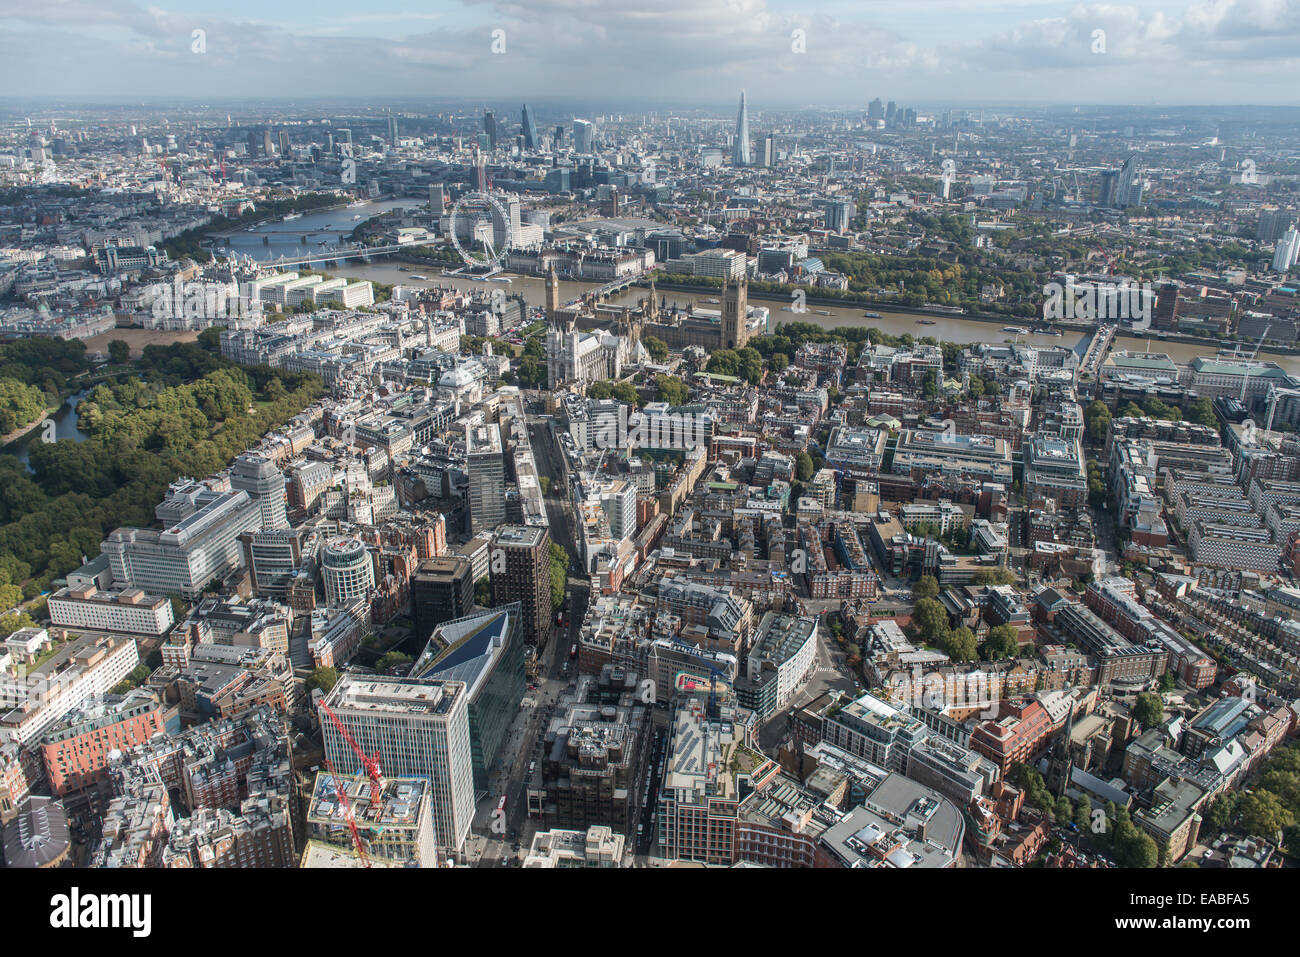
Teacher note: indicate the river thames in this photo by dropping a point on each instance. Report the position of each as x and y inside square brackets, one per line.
[943, 328]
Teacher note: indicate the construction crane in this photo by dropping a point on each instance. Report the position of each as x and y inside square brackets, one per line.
[348, 813]
[371, 764]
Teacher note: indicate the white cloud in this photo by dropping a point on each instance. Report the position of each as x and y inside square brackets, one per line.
[1196, 51]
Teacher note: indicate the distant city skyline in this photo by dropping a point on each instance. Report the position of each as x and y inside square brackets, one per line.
[1151, 52]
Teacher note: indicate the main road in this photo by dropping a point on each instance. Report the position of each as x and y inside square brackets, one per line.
[554, 668]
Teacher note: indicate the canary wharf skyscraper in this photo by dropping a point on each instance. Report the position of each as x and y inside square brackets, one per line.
[740, 155]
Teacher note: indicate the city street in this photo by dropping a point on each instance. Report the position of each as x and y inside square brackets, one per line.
[522, 747]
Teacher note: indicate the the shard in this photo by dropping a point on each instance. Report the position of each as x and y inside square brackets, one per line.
[740, 155]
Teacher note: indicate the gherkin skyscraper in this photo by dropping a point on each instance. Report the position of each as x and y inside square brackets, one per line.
[740, 155]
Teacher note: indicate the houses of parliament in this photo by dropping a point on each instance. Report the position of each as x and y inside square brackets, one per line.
[577, 356]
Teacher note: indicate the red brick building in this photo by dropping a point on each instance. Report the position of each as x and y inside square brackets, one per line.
[76, 751]
[1018, 735]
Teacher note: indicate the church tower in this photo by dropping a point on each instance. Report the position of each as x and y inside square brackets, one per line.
[734, 313]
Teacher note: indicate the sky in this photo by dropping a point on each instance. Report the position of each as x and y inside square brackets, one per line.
[787, 53]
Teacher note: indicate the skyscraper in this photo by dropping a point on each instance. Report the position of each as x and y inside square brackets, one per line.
[490, 127]
[262, 480]
[583, 136]
[419, 728]
[1128, 192]
[1287, 251]
[1273, 222]
[520, 559]
[485, 464]
[486, 651]
[839, 214]
[767, 153]
[1106, 195]
[740, 154]
[530, 129]
[392, 129]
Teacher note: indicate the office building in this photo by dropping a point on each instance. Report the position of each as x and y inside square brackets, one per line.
[874, 730]
[529, 125]
[198, 543]
[348, 570]
[485, 464]
[442, 589]
[419, 728]
[711, 766]
[740, 151]
[925, 454]
[272, 558]
[485, 651]
[780, 660]
[521, 571]
[130, 611]
[901, 824]
[1054, 471]
[583, 136]
[597, 846]
[262, 480]
[594, 756]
